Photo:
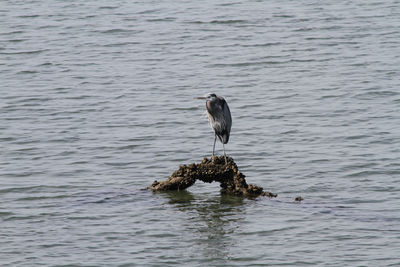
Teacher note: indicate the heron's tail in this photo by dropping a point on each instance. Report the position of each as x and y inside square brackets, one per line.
[224, 137]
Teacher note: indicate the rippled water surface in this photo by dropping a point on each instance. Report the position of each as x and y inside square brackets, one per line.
[97, 102]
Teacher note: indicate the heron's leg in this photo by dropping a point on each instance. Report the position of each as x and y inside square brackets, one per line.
[215, 139]
[226, 162]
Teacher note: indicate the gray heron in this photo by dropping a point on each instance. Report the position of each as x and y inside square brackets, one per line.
[220, 118]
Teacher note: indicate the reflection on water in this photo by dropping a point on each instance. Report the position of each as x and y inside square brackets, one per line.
[183, 197]
[215, 219]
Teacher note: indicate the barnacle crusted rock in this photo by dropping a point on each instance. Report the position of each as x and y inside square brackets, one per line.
[231, 180]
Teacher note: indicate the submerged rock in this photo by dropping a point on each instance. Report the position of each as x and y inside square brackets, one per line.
[299, 199]
[231, 180]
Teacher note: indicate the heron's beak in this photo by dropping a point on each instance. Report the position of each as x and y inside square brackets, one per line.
[200, 97]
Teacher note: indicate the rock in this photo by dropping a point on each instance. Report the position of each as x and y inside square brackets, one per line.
[298, 199]
[231, 180]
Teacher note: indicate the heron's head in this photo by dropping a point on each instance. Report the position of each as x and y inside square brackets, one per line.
[208, 97]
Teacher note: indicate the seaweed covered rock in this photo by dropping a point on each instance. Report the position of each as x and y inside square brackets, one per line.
[231, 180]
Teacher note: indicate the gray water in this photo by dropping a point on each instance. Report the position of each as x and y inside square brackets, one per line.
[97, 102]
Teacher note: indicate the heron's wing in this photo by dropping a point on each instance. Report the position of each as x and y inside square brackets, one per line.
[227, 118]
[226, 122]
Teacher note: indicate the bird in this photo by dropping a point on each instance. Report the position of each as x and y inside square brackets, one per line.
[219, 117]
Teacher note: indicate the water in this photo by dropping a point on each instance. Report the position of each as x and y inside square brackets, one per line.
[97, 102]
